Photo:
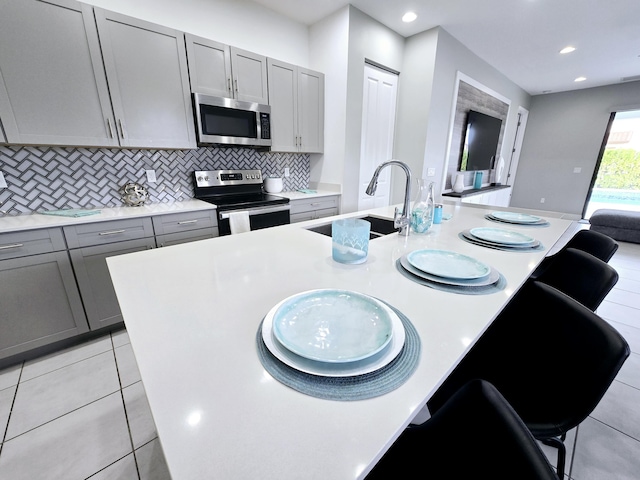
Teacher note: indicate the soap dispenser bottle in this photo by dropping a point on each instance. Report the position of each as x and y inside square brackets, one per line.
[422, 211]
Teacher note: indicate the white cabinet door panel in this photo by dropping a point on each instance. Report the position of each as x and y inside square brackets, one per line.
[249, 76]
[52, 85]
[283, 99]
[146, 69]
[209, 66]
[296, 96]
[311, 110]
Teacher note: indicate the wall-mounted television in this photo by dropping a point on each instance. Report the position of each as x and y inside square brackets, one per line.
[480, 142]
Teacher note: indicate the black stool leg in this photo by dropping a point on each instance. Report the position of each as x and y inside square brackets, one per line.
[558, 442]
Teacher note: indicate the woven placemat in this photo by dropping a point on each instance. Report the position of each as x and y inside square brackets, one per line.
[359, 387]
[464, 290]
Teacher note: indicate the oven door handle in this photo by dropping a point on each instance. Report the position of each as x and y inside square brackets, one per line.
[256, 211]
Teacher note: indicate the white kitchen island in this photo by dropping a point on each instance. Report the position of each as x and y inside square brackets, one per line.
[192, 312]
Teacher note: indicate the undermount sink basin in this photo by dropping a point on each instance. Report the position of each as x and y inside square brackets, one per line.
[379, 227]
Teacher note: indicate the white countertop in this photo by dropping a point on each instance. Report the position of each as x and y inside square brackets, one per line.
[34, 221]
[192, 312]
[301, 196]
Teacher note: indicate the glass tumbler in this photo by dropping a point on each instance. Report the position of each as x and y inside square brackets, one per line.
[350, 240]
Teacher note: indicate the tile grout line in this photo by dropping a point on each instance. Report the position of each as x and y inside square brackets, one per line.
[58, 417]
[614, 428]
[13, 402]
[65, 366]
[124, 407]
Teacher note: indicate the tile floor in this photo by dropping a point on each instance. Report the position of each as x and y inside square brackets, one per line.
[82, 412]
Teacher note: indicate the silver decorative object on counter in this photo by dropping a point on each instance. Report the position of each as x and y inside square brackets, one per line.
[134, 194]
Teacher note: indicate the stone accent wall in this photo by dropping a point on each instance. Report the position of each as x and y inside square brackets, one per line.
[472, 98]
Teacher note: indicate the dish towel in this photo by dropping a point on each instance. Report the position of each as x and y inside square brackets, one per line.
[239, 222]
[72, 212]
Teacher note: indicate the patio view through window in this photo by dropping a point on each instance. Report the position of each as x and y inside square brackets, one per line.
[617, 184]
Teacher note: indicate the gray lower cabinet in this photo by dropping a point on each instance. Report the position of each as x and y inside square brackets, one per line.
[91, 243]
[95, 242]
[92, 273]
[314, 208]
[38, 295]
[55, 283]
[176, 228]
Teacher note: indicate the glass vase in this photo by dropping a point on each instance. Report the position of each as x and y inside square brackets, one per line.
[423, 206]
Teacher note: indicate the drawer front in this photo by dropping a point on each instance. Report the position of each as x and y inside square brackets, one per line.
[31, 242]
[184, 237]
[184, 222]
[101, 233]
[329, 212]
[301, 206]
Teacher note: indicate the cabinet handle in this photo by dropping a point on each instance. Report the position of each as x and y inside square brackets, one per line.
[110, 128]
[315, 204]
[13, 245]
[112, 232]
[229, 86]
[236, 82]
[186, 222]
[121, 128]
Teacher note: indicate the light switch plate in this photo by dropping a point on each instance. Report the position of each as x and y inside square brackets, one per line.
[286, 171]
[3, 182]
[151, 176]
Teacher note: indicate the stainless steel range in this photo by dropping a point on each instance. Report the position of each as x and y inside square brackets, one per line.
[239, 191]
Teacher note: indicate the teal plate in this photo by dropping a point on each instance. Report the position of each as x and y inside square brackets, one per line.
[515, 217]
[444, 263]
[335, 326]
[501, 236]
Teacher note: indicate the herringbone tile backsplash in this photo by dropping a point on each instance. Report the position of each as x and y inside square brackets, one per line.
[53, 178]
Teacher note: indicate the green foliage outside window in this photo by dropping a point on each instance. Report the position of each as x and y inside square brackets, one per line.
[620, 168]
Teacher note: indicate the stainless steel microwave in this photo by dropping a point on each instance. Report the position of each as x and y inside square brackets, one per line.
[225, 121]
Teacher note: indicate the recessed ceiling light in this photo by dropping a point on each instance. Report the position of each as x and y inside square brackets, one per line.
[409, 17]
[580, 79]
[567, 49]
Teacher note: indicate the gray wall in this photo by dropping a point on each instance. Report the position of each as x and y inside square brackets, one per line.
[340, 45]
[564, 131]
[426, 106]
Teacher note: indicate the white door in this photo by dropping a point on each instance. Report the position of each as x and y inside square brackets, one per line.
[378, 123]
[509, 176]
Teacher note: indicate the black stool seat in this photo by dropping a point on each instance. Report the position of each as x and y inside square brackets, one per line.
[552, 358]
[476, 434]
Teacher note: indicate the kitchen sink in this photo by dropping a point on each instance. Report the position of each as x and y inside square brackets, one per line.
[379, 227]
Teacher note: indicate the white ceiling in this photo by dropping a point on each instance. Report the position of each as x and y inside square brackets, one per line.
[520, 38]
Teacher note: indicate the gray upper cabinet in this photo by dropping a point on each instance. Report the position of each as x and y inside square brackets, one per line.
[146, 68]
[53, 90]
[296, 96]
[223, 71]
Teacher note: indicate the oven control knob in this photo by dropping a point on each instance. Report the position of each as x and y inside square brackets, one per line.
[200, 179]
[206, 179]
